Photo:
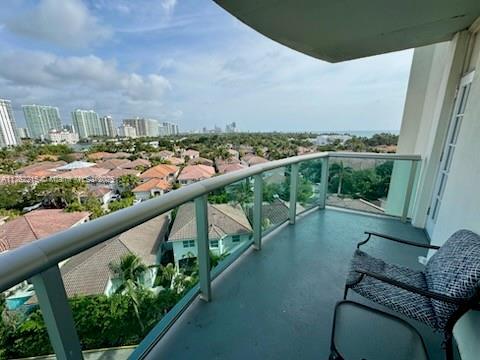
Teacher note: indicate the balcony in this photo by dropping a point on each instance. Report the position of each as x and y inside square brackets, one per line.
[278, 303]
[274, 290]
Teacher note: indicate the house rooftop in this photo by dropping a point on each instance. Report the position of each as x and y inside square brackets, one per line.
[41, 169]
[102, 155]
[83, 173]
[113, 163]
[223, 219]
[37, 224]
[159, 171]
[116, 173]
[75, 165]
[153, 183]
[133, 164]
[196, 172]
[88, 272]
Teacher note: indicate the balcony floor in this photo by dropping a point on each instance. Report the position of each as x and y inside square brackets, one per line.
[278, 303]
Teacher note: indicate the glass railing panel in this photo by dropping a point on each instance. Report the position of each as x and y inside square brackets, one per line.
[23, 332]
[376, 186]
[120, 289]
[230, 221]
[276, 197]
[309, 190]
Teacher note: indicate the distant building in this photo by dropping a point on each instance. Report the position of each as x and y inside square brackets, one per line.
[231, 128]
[41, 119]
[86, 123]
[168, 129]
[143, 126]
[8, 127]
[330, 139]
[108, 127]
[63, 137]
[127, 131]
[23, 133]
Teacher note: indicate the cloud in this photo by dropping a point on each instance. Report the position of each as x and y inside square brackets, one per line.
[169, 5]
[88, 74]
[67, 23]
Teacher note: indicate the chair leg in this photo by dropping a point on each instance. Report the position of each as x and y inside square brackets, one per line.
[448, 344]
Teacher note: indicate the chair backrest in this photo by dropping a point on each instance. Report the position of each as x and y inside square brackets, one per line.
[454, 270]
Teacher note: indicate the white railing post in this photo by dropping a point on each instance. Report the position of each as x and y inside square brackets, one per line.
[324, 183]
[408, 193]
[57, 314]
[203, 247]
[257, 211]
[292, 210]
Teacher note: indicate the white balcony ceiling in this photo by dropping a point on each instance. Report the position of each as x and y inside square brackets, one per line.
[338, 30]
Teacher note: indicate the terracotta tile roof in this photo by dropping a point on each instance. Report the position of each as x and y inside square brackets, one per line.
[163, 154]
[100, 191]
[106, 155]
[88, 272]
[154, 183]
[44, 168]
[36, 225]
[113, 163]
[254, 160]
[160, 171]
[223, 220]
[228, 168]
[83, 173]
[196, 172]
[176, 161]
[133, 164]
[200, 160]
[116, 173]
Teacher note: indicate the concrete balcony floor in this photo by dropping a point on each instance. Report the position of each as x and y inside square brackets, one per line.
[278, 303]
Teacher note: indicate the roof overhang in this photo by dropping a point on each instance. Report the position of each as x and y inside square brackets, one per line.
[339, 30]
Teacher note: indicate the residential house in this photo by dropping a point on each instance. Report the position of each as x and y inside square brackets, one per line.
[138, 163]
[176, 161]
[200, 161]
[103, 193]
[234, 154]
[113, 163]
[75, 165]
[90, 173]
[194, 173]
[229, 167]
[192, 154]
[252, 160]
[151, 188]
[88, 273]
[161, 171]
[37, 224]
[102, 155]
[228, 228]
[42, 169]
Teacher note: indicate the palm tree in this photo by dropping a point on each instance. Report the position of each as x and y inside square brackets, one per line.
[128, 272]
[339, 171]
[166, 274]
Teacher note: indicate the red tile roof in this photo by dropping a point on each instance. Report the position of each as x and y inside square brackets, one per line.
[113, 163]
[160, 171]
[228, 168]
[196, 172]
[135, 163]
[106, 155]
[40, 169]
[36, 225]
[83, 173]
[154, 183]
[116, 173]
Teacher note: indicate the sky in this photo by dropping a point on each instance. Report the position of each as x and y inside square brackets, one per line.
[189, 62]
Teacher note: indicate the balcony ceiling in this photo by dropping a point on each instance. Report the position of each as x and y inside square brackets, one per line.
[339, 30]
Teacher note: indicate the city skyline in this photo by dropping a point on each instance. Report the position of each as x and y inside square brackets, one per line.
[187, 62]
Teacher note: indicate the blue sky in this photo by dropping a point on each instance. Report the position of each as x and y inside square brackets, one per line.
[186, 61]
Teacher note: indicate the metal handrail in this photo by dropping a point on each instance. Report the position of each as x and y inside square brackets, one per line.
[26, 261]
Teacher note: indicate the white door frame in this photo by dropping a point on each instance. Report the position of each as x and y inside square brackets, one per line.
[448, 150]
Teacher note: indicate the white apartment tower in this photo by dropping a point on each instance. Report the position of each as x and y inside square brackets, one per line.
[107, 126]
[41, 119]
[8, 127]
[127, 131]
[143, 126]
[86, 123]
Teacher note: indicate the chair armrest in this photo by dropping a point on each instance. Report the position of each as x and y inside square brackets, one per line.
[427, 293]
[391, 238]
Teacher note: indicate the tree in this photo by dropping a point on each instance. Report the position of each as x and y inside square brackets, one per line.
[338, 172]
[128, 182]
[128, 272]
[120, 204]
[58, 194]
[165, 275]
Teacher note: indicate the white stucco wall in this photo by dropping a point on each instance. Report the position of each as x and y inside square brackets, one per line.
[427, 114]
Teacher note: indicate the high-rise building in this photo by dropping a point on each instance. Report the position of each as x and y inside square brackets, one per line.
[143, 126]
[107, 126]
[168, 128]
[23, 133]
[231, 128]
[8, 127]
[86, 123]
[41, 119]
[128, 131]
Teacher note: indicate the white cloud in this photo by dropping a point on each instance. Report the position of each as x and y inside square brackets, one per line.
[66, 23]
[169, 5]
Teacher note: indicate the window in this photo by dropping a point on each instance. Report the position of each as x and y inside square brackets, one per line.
[214, 243]
[189, 243]
[235, 238]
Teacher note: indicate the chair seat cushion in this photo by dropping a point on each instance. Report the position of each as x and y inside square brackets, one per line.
[412, 305]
